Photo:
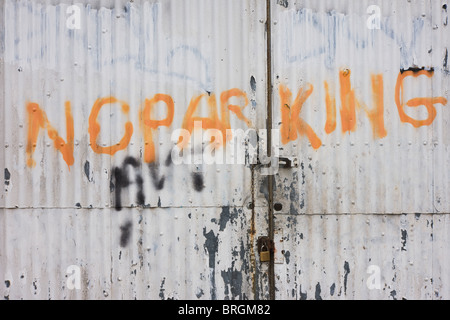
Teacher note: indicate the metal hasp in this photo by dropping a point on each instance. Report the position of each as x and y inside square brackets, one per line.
[287, 163]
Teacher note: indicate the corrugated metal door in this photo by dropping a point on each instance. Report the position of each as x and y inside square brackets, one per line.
[360, 93]
[92, 93]
[96, 94]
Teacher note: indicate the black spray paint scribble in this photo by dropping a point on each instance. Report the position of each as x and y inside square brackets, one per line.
[125, 233]
[122, 179]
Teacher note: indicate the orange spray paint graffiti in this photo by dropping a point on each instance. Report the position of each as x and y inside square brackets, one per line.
[234, 101]
[349, 104]
[150, 124]
[428, 102]
[330, 104]
[37, 120]
[291, 123]
[290, 117]
[94, 127]
[212, 121]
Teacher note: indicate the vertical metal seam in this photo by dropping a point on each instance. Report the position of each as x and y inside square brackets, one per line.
[271, 270]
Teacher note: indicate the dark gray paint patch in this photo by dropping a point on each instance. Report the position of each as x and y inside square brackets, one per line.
[253, 83]
[287, 256]
[199, 293]
[283, 3]
[332, 289]
[264, 187]
[211, 246]
[393, 294]
[404, 237]
[125, 233]
[347, 271]
[161, 289]
[226, 216]
[7, 176]
[318, 291]
[445, 65]
[303, 295]
[232, 280]
[87, 171]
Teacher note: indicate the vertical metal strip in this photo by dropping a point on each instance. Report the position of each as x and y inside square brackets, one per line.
[269, 145]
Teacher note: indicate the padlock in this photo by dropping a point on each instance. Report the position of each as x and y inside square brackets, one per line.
[264, 255]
